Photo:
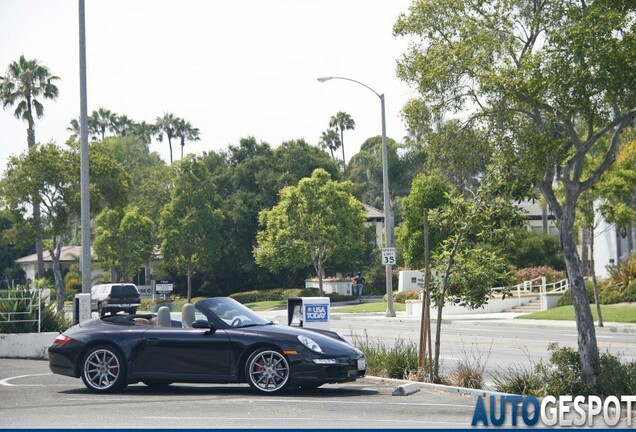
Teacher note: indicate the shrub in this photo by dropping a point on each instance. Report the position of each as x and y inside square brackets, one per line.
[610, 297]
[403, 296]
[550, 274]
[275, 294]
[629, 295]
[566, 298]
[622, 274]
[26, 307]
[399, 361]
[563, 374]
[517, 379]
[531, 249]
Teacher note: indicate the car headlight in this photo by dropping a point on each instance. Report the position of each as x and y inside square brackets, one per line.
[309, 343]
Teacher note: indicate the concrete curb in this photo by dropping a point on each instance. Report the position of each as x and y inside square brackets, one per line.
[407, 384]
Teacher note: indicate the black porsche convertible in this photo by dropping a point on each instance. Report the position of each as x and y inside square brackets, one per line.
[218, 340]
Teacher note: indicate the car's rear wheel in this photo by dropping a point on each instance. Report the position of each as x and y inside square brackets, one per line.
[267, 371]
[104, 370]
[132, 311]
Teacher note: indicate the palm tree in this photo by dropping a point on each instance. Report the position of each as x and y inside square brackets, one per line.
[145, 131]
[184, 131]
[93, 128]
[330, 140]
[25, 85]
[166, 125]
[123, 125]
[342, 121]
[104, 119]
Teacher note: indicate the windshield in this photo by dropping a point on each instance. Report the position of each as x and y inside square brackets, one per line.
[231, 312]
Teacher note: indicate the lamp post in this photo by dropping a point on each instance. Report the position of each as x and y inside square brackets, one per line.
[388, 233]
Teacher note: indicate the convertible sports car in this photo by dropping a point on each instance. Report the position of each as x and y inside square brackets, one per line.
[218, 341]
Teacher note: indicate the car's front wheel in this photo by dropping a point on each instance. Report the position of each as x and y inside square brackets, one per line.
[104, 370]
[267, 371]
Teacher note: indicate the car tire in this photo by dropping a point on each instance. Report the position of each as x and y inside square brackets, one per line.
[267, 371]
[132, 311]
[103, 369]
[100, 310]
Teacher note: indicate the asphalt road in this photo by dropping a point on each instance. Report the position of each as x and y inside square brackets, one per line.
[495, 344]
[32, 397]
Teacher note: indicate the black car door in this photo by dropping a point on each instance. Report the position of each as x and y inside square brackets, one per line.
[185, 354]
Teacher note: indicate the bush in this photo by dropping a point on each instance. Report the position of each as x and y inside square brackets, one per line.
[399, 361]
[50, 321]
[403, 296]
[275, 294]
[566, 298]
[517, 379]
[550, 274]
[532, 249]
[622, 274]
[629, 295]
[563, 374]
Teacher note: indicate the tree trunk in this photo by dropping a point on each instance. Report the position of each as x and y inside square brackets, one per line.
[113, 275]
[189, 280]
[344, 165]
[596, 290]
[320, 271]
[57, 274]
[37, 218]
[170, 145]
[588, 349]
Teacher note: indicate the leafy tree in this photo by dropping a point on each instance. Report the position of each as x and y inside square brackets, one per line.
[553, 80]
[315, 222]
[428, 191]
[17, 239]
[123, 241]
[459, 151]
[533, 249]
[365, 169]
[190, 225]
[342, 122]
[26, 84]
[45, 174]
[185, 131]
[329, 140]
[166, 125]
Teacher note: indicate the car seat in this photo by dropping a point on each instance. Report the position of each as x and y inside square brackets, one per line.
[187, 315]
[163, 317]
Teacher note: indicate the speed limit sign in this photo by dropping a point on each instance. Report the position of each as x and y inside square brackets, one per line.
[388, 256]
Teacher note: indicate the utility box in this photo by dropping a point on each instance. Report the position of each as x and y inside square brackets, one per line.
[81, 307]
[308, 312]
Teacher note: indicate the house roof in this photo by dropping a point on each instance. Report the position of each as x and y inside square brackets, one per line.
[372, 212]
[69, 254]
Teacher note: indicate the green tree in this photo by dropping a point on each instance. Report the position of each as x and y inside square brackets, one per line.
[144, 131]
[190, 225]
[123, 241]
[185, 131]
[103, 120]
[554, 80]
[166, 125]
[315, 222]
[26, 84]
[329, 140]
[342, 122]
[45, 174]
[428, 191]
[123, 125]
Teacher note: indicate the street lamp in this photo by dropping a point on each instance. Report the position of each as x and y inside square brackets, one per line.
[388, 234]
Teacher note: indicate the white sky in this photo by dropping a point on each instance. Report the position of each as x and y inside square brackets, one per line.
[232, 68]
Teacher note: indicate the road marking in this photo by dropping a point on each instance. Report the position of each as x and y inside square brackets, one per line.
[322, 419]
[5, 382]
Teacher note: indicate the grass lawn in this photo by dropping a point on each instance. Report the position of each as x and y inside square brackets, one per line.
[267, 305]
[625, 313]
[368, 307]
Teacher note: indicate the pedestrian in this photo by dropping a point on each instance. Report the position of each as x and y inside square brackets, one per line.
[359, 284]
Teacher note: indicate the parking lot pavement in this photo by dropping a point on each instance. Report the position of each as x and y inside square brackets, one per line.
[34, 398]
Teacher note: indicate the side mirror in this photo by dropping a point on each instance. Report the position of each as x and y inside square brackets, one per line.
[204, 324]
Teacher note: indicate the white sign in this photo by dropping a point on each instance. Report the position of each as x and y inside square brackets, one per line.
[389, 256]
[164, 287]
